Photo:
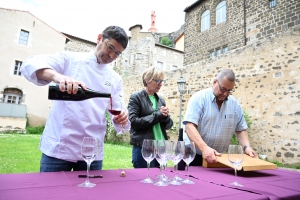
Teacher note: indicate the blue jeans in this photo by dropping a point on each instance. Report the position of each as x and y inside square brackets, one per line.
[50, 164]
[138, 161]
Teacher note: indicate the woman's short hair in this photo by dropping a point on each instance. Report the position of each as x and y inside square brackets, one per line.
[151, 73]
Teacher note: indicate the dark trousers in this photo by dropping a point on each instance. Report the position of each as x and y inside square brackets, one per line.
[50, 164]
[197, 161]
[138, 161]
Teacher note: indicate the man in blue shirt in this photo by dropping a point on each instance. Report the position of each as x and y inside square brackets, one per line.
[211, 118]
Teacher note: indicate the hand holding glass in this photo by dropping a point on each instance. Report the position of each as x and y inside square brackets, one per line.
[114, 106]
[235, 157]
[89, 150]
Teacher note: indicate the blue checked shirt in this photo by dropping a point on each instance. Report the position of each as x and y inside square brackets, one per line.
[215, 126]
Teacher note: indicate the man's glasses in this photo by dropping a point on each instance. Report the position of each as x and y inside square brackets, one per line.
[158, 81]
[223, 90]
[111, 49]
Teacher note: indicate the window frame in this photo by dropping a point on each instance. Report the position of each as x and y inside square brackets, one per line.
[225, 47]
[138, 56]
[17, 67]
[23, 39]
[221, 12]
[272, 3]
[159, 65]
[205, 20]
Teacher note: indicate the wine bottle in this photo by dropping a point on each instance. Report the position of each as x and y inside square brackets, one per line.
[54, 93]
[181, 164]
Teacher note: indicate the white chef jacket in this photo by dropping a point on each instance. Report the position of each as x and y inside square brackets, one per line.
[69, 121]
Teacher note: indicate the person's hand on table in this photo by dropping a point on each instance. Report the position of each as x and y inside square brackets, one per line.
[251, 152]
[209, 155]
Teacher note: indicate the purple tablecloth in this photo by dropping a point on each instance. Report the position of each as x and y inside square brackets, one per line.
[209, 184]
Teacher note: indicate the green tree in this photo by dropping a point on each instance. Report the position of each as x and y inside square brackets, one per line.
[234, 139]
[166, 41]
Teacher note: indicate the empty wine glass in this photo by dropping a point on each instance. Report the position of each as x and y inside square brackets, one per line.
[235, 157]
[114, 107]
[168, 145]
[262, 152]
[161, 157]
[176, 155]
[148, 155]
[188, 157]
[89, 150]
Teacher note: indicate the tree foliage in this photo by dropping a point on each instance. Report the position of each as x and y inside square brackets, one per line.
[166, 41]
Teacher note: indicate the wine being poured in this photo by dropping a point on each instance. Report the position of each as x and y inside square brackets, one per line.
[114, 107]
[54, 93]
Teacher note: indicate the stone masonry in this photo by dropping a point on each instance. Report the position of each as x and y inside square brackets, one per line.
[267, 86]
[79, 45]
[247, 22]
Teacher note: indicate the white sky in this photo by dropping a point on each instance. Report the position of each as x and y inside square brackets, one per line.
[87, 18]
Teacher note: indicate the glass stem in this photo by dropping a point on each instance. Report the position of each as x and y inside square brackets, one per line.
[88, 172]
[235, 174]
[176, 176]
[148, 165]
[187, 169]
[161, 172]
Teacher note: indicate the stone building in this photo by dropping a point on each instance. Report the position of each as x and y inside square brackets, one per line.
[214, 27]
[23, 35]
[260, 41]
[78, 44]
[144, 51]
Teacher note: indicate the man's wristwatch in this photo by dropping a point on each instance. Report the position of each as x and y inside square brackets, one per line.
[245, 147]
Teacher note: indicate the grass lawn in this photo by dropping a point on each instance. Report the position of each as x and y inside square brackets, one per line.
[19, 153]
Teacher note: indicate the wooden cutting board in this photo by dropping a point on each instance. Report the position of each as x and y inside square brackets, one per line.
[249, 163]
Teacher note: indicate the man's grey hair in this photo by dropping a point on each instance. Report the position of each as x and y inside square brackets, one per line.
[228, 73]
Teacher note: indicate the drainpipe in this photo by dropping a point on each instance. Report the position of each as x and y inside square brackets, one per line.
[245, 42]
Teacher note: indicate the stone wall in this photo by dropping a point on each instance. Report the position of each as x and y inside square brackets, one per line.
[143, 52]
[172, 59]
[79, 45]
[247, 23]
[267, 86]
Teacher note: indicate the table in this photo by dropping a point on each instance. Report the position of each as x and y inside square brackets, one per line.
[211, 183]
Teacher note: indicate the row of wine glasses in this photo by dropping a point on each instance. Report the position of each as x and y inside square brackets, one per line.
[163, 151]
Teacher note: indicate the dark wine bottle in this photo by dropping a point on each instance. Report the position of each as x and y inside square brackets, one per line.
[54, 93]
[181, 164]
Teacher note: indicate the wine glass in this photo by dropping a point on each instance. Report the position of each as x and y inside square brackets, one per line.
[148, 155]
[176, 155]
[114, 107]
[262, 152]
[89, 150]
[168, 145]
[161, 157]
[235, 157]
[188, 157]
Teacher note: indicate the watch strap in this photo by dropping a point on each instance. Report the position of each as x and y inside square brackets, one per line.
[245, 147]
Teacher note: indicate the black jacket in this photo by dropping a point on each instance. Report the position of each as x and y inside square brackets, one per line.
[143, 117]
